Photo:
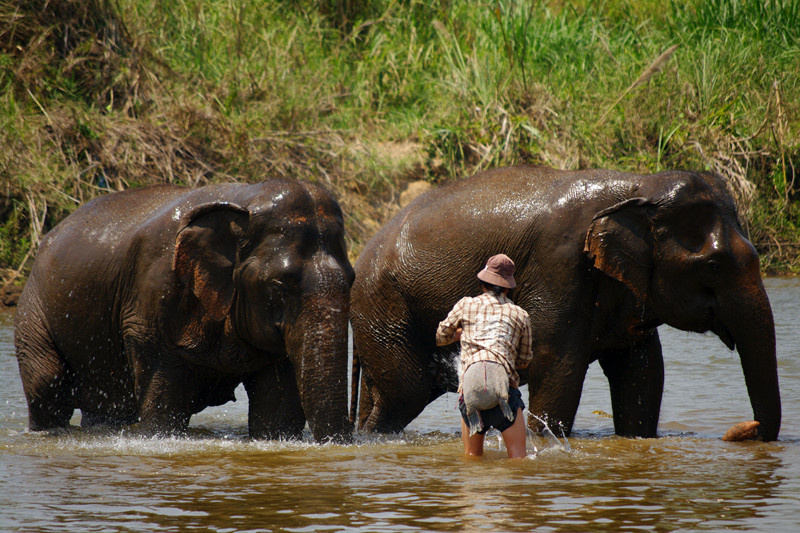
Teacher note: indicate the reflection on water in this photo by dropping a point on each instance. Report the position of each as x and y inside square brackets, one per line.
[216, 479]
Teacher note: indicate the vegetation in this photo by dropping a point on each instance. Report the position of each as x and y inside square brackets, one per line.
[366, 96]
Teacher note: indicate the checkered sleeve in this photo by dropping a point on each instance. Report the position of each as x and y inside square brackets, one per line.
[525, 351]
[447, 327]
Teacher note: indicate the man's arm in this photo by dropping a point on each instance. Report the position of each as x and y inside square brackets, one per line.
[525, 353]
[448, 330]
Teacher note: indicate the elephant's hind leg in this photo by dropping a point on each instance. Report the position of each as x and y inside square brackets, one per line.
[274, 399]
[397, 366]
[392, 398]
[366, 403]
[47, 380]
[393, 414]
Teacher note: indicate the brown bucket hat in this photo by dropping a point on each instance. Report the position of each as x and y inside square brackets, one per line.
[499, 270]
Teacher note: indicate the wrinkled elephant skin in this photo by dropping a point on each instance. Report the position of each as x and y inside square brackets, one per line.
[149, 305]
[602, 259]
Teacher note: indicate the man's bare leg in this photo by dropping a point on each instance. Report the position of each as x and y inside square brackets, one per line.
[515, 437]
[473, 444]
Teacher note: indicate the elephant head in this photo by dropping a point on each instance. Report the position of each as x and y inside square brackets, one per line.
[680, 249]
[270, 274]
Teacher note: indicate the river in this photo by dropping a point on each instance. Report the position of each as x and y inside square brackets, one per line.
[216, 479]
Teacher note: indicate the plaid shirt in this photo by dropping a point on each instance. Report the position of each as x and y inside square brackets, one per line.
[493, 329]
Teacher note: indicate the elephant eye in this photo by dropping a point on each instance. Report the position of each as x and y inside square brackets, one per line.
[710, 273]
[283, 272]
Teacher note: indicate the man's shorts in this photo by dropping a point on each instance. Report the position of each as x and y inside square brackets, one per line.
[494, 417]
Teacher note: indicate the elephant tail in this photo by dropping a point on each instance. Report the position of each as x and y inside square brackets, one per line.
[354, 382]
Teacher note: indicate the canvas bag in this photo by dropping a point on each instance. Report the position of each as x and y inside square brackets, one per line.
[484, 386]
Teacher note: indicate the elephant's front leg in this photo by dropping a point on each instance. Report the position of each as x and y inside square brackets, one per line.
[636, 378]
[275, 408]
[165, 400]
[164, 387]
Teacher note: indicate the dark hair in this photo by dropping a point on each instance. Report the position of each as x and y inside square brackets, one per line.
[494, 288]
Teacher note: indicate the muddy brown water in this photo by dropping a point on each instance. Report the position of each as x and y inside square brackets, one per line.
[217, 480]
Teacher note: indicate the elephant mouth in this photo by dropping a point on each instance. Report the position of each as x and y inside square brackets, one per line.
[269, 342]
[725, 335]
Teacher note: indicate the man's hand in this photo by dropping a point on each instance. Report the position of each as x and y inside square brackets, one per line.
[444, 341]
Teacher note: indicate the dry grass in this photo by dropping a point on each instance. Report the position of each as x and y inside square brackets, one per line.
[84, 42]
[94, 102]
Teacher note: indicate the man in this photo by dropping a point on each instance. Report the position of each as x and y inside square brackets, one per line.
[492, 331]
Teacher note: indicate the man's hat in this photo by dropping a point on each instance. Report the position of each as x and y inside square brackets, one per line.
[499, 270]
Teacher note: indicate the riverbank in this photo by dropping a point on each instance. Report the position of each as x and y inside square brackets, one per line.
[368, 97]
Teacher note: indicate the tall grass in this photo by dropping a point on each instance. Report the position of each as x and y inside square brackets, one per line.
[367, 96]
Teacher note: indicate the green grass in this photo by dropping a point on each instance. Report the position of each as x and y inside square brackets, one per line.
[364, 97]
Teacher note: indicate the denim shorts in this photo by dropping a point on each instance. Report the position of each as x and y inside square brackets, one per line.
[494, 417]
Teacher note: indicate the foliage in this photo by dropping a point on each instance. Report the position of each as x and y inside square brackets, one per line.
[365, 96]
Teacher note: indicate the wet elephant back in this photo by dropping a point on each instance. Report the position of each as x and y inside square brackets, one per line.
[495, 211]
[106, 223]
[455, 228]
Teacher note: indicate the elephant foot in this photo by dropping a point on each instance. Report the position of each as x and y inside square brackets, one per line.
[263, 433]
[742, 431]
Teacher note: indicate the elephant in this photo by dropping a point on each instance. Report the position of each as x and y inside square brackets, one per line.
[148, 305]
[602, 258]
[11, 295]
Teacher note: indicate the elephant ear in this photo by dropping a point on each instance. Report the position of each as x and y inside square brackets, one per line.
[205, 254]
[620, 243]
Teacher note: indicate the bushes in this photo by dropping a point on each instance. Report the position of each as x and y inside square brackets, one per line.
[62, 49]
[100, 95]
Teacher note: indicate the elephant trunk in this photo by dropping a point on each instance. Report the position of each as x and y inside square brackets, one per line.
[747, 324]
[318, 351]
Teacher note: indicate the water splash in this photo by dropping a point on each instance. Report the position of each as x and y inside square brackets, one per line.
[547, 440]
